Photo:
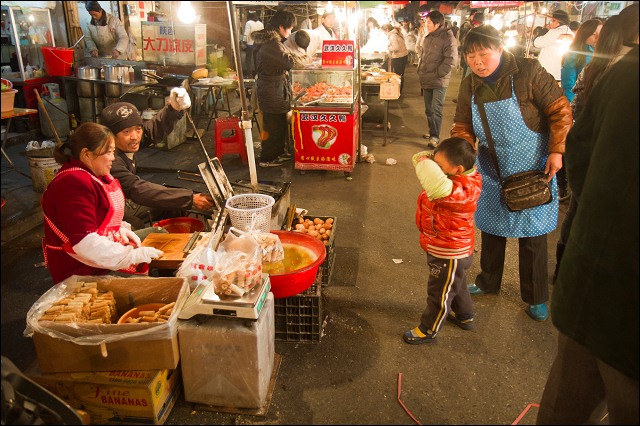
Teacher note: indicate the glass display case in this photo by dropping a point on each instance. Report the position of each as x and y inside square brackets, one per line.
[30, 29]
[324, 88]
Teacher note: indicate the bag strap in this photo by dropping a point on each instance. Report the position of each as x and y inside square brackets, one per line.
[487, 133]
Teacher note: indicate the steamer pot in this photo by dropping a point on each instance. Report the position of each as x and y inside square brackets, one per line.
[116, 74]
[84, 87]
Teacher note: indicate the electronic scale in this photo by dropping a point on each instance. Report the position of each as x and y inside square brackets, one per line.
[204, 301]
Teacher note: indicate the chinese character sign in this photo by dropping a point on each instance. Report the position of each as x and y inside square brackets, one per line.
[337, 54]
[174, 44]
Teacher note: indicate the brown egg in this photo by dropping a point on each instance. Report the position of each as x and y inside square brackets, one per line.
[328, 232]
[328, 225]
[330, 220]
[313, 233]
[321, 231]
[318, 221]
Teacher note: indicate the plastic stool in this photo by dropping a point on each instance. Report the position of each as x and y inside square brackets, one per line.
[230, 144]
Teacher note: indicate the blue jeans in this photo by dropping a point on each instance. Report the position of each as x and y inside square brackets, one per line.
[433, 101]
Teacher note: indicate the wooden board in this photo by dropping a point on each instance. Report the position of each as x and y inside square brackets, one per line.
[172, 246]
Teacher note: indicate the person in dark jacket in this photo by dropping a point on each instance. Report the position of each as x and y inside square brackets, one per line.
[147, 200]
[273, 62]
[439, 56]
[595, 298]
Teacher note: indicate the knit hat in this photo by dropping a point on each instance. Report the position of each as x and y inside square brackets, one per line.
[93, 6]
[561, 16]
[120, 116]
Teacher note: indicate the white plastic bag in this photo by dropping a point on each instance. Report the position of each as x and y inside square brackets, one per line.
[199, 266]
[239, 264]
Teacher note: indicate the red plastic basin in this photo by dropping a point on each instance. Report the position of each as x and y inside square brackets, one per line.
[294, 282]
[181, 225]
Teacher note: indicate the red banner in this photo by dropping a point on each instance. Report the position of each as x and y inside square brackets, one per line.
[337, 53]
[325, 140]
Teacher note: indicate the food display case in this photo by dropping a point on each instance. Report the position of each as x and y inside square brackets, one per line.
[326, 118]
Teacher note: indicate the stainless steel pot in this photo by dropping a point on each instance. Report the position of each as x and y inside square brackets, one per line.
[84, 87]
[116, 74]
[86, 108]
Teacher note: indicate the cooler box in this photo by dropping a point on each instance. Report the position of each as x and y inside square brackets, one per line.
[228, 362]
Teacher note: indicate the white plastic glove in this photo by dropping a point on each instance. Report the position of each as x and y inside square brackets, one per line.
[145, 254]
[100, 252]
[128, 236]
[179, 99]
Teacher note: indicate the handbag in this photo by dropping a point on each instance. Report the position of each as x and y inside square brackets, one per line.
[523, 190]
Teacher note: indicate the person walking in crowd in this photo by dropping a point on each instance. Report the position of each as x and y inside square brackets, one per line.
[529, 118]
[579, 54]
[325, 29]
[573, 61]
[398, 53]
[455, 29]
[551, 50]
[308, 23]
[253, 25]
[147, 201]
[595, 298]
[444, 217]
[618, 34]
[410, 43]
[273, 63]
[107, 36]
[476, 20]
[83, 207]
[439, 56]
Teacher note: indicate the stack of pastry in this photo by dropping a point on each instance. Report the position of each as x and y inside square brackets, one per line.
[86, 305]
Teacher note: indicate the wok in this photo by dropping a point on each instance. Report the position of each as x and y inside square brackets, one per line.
[172, 80]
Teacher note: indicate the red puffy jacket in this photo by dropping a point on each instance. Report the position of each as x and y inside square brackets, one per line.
[446, 224]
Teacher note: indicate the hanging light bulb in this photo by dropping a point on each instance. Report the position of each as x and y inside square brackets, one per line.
[329, 7]
[186, 13]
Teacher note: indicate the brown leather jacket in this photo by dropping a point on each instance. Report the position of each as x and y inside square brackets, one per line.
[542, 102]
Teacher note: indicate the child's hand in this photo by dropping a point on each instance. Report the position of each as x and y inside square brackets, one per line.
[421, 156]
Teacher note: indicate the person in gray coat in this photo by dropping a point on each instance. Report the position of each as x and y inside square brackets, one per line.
[439, 56]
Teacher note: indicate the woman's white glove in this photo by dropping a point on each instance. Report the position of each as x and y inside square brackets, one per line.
[179, 99]
[129, 237]
[100, 252]
[145, 255]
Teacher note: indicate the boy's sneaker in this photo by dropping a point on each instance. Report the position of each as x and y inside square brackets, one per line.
[417, 337]
[285, 157]
[465, 324]
[273, 163]
[474, 290]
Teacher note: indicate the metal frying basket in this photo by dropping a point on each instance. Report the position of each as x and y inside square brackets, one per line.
[250, 211]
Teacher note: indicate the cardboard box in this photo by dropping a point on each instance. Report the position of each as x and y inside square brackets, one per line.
[116, 397]
[85, 347]
[228, 362]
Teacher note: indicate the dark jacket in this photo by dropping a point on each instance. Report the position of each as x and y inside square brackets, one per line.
[438, 57]
[273, 62]
[595, 297]
[144, 192]
[542, 102]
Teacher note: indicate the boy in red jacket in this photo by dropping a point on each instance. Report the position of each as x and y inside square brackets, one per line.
[445, 219]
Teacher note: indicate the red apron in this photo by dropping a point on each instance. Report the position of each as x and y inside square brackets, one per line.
[109, 228]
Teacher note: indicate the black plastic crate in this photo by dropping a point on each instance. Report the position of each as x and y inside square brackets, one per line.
[326, 269]
[299, 318]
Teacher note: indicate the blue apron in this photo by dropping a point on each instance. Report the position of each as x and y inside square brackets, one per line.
[519, 149]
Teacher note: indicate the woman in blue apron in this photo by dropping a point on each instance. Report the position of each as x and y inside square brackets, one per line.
[528, 117]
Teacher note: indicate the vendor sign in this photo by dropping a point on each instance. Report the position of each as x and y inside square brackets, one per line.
[337, 54]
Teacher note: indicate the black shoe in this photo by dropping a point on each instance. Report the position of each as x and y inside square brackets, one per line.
[564, 194]
[465, 324]
[273, 163]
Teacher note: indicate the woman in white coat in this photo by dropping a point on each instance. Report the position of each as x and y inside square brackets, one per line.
[106, 35]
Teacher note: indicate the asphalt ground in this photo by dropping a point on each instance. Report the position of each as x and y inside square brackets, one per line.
[489, 375]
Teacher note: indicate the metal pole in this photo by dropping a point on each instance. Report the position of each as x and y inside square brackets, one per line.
[246, 114]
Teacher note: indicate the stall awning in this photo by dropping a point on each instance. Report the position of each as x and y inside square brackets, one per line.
[494, 4]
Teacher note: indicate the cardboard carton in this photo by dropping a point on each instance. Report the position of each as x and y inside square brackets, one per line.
[228, 361]
[82, 347]
[116, 397]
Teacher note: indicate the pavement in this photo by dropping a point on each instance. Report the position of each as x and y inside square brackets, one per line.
[361, 369]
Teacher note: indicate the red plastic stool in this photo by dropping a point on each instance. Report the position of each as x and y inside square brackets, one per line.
[232, 140]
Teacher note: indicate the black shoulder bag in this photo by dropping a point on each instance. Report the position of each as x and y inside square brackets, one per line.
[522, 190]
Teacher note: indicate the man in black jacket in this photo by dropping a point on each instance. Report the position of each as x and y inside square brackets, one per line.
[147, 200]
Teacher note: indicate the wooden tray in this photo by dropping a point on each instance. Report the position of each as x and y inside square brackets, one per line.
[172, 246]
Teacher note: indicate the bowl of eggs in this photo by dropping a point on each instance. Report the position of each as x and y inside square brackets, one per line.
[303, 255]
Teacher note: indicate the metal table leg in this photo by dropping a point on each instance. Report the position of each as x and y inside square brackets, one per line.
[4, 142]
